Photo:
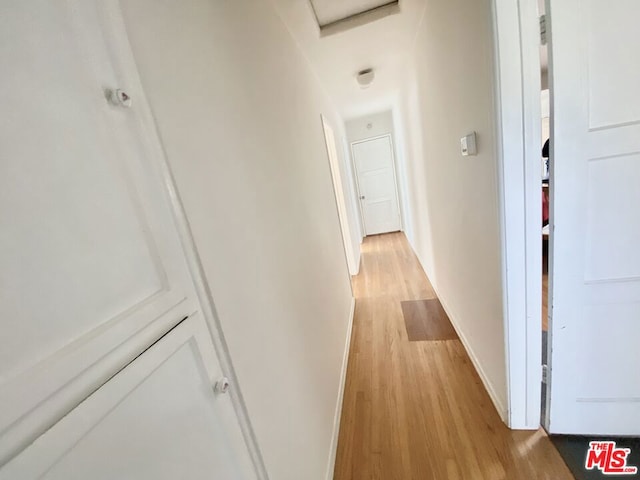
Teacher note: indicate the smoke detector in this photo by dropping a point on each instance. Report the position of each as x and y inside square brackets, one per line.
[365, 77]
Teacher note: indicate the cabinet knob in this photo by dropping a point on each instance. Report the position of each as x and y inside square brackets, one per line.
[120, 98]
[222, 386]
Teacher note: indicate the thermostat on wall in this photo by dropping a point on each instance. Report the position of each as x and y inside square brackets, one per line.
[468, 144]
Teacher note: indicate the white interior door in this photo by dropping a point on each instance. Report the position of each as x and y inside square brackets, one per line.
[595, 259]
[377, 186]
[159, 418]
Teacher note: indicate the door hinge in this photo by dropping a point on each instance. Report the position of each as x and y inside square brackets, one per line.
[545, 374]
[543, 29]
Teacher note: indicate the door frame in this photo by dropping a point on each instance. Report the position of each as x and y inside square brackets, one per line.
[338, 192]
[363, 225]
[517, 87]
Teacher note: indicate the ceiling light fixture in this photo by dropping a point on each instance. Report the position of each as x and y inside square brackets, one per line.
[365, 77]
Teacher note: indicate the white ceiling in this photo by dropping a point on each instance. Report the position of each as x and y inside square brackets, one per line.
[383, 45]
[330, 11]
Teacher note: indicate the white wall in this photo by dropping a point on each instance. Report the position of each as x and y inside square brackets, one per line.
[453, 199]
[238, 111]
[381, 123]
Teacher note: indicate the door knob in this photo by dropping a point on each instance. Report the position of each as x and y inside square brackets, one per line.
[222, 386]
[361, 197]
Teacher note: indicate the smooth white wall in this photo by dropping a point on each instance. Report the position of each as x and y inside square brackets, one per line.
[380, 123]
[238, 111]
[453, 199]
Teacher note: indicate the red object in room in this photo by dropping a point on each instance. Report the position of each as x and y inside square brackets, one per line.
[545, 208]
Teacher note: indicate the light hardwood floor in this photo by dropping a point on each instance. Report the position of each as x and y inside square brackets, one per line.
[418, 410]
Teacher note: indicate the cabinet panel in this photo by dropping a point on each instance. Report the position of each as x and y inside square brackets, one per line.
[89, 253]
[158, 419]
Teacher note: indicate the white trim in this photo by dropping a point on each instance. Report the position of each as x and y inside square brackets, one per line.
[518, 117]
[395, 178]
[352, 191]
[338, 413]
[338, 194]
[357, 19]
[400, 151]
[363, 228]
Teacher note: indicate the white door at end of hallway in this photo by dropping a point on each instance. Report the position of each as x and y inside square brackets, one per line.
[377, 188]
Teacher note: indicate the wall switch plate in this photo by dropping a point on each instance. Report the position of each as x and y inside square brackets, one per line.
[468, 144]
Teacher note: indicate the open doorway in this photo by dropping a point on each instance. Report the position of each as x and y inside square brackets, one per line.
[351, 247]
[546, 200]
[592, 262]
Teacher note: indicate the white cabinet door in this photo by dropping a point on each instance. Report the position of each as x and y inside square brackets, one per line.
[595, 277]
[158, 419]
[90, 258]
[376, 181]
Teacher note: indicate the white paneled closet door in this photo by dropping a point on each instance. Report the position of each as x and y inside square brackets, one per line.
[92, 270]
[157, 419]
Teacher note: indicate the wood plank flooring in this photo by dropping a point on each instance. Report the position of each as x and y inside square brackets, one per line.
[418, 410]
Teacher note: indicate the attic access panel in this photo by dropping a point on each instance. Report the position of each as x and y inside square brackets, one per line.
[331, 13]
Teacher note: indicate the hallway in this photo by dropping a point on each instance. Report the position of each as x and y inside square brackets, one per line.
[418, 410]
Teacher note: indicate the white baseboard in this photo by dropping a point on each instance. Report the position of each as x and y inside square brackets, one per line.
[338, 412]
[488, 386]
[502, 411]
